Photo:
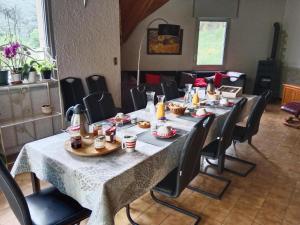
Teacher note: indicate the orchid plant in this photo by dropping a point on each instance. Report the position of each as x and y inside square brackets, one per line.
[14, 56]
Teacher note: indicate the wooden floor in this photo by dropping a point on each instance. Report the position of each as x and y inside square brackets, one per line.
[270, 195]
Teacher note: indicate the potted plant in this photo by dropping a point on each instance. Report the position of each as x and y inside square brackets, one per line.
[46, 68]
[3, 75]
[14, 57]
[29, 71]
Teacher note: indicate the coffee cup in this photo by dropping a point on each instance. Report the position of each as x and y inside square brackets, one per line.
[129, 143]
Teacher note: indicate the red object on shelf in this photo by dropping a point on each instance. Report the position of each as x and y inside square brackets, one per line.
[200, 82]
[152, 79]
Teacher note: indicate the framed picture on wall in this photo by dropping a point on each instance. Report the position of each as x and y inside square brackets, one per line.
[163, 45]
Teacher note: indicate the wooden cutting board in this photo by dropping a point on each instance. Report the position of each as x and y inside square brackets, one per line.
[88, 150]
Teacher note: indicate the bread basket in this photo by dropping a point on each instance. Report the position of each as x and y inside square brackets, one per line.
[177, 110]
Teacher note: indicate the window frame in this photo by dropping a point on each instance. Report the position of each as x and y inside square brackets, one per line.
[211, 67]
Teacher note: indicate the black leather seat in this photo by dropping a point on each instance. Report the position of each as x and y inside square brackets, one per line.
[99, 106]
[242, 134]
[96, 84]
[72, 92]
[46, 207]
[170, 90]
[217, 148]
[188, 166]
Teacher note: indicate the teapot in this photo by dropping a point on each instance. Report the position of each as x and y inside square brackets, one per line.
[76, 115]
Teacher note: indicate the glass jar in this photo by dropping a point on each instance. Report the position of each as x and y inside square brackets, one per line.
[99, 142]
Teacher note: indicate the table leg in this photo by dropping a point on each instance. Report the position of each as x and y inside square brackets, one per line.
[36, 187]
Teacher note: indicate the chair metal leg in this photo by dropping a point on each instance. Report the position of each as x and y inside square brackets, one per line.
[129, 216]
[178, 209]
[252, 166]
[210, 194]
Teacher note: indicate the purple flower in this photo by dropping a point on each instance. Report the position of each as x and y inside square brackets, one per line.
[10, 51]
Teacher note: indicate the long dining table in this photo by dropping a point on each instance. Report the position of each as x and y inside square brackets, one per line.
[107, 183]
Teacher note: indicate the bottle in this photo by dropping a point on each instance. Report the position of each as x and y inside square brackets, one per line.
[160, 107]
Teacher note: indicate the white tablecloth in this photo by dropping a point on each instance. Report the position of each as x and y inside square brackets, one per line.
[106, 184]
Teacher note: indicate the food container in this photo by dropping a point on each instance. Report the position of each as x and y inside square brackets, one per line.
[177, 109]
[99, 142]
[97, 130]
[110, 135]
[46, 109]
[76, 141]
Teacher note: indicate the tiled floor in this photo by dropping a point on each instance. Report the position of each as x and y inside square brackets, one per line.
[270, 195]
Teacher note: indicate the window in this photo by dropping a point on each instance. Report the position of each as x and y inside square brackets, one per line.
[23, 21]
[211, 43]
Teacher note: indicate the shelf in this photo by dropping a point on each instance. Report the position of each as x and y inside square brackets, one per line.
[28, 119]
[37, 84]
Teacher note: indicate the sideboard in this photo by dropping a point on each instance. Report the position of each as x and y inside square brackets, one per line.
[291, 93]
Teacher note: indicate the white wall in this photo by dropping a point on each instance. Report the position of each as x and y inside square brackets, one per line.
[292, 54]
[250, 37]
[87, 40]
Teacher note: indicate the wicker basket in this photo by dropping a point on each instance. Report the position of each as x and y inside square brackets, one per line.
[177, 110]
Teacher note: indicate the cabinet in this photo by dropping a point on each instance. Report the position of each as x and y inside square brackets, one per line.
[291, 93]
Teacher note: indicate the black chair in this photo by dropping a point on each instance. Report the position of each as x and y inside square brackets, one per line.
[46, 207]
[170, 90]
[189, 164]
[242, 134]
[216, 150]
[96, 84]
[139, 98]
[267, 95]
[72, 92]
[99, 106]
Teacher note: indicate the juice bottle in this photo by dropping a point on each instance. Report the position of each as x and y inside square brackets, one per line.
[160, 107]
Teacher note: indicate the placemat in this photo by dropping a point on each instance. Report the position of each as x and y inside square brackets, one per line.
[148, 138]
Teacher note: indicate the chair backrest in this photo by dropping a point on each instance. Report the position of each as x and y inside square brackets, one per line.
[72, 91]
[99, 106]
[255, 116]
[189, 163]
[170, 90]
[14, 196]
[96, 84]
[139, 98]
[226, 134]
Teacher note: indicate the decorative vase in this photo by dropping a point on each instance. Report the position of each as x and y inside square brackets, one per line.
[32, 77]
[3, 77]
[46, 75]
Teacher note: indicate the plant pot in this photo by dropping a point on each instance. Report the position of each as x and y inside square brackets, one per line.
[16, 77]
[46, 75]
[3, 78]
[32, 77]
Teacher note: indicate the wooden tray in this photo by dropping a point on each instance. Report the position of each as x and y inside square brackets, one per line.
[88, 149]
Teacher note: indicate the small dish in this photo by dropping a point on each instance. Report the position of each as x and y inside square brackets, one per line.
[171, 134]
[196, 116]
[125, 119]
[144, 124]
